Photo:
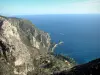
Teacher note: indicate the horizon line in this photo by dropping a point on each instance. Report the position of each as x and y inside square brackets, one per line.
[52, 14]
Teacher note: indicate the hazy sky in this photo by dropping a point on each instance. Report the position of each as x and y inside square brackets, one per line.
[31, 7]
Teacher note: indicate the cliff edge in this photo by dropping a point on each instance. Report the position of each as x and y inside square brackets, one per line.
[24, 49]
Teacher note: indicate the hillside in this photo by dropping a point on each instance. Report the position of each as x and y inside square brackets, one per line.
[26, 50]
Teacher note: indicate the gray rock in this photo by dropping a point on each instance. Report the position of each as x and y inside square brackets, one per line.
[20, 43]
[26, 50]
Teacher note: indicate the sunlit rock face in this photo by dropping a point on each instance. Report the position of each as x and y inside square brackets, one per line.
[20, 43]
[26, 50]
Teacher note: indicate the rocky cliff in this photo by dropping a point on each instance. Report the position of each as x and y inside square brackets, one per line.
[24, 49]
[21, 42]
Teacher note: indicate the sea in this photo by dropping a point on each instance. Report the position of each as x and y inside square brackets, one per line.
[79, 32]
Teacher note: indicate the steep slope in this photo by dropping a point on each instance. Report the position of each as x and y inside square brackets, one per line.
[91, 68]
[24, 49]
[21, 41]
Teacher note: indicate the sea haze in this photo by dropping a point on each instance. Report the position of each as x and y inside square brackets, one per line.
[80, 34]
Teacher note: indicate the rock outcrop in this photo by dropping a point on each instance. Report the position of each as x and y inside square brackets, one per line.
[20, 43]
[24, 49]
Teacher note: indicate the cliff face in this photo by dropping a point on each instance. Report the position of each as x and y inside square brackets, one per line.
[25, 50]
[20, 43]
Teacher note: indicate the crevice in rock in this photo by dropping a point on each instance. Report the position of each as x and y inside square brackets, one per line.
[4, 49]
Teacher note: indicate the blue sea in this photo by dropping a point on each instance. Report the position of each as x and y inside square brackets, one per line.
[80, 34]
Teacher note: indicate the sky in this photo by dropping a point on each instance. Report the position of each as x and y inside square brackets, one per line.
[35, 7]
